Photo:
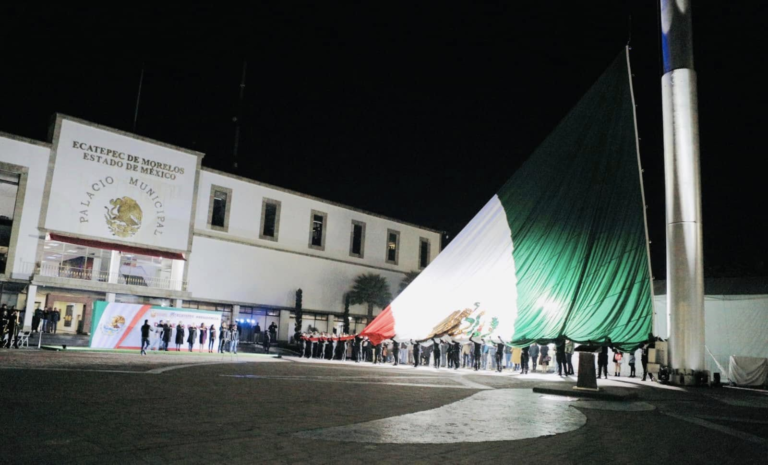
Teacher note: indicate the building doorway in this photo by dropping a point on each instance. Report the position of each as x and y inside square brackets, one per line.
[70, 316]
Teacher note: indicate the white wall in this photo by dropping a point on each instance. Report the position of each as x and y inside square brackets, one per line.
[733, 325]
[245, 218]
[35, 157]
[221, 270]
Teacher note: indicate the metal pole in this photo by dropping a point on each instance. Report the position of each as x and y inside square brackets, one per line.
[237, 118]
[685, 275]
[138, 98]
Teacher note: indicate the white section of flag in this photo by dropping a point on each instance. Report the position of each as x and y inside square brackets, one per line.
[476, 267]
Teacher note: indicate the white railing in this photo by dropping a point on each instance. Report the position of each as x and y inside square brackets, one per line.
[54, 270]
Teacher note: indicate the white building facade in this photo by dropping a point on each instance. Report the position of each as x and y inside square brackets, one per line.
[100, 214]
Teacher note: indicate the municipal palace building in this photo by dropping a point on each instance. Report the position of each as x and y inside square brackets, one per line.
[101, 214]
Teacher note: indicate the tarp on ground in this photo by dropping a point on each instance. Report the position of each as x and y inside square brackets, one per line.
[560, 250]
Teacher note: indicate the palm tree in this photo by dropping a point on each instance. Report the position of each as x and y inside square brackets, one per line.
[371, 289]
[408, 279]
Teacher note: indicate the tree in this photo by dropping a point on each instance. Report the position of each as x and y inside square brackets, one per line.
[370, 289]
[346, 313]
[408, 279]
[299, 313]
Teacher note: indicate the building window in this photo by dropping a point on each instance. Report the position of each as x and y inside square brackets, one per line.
[357, 239]
[9, 189]
[219, 205]
[270, 219]
[317, 224]
[393, 246]
[423, 252]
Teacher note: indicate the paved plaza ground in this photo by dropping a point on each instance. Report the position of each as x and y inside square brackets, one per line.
[79, 406]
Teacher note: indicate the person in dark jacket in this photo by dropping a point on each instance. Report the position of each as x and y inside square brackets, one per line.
[562, 367]
[146, 329]
[191, 337]
[478, 346]
[179, 336]
[55, 316]
[11, 327]
[203, 335]
[602, 359]
[38, 315]
[456, 354]
[166, 336]
[436, 352]
[524, 356]
[46, 319]
[650, 344]
[500, 354]
[416, 353]
[211, 338]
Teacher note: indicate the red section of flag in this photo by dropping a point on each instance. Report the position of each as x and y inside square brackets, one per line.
[382, 327]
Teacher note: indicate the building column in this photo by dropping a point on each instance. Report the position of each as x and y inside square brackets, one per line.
[235, 313]
[96, 269]
[110, 297]
[284, 330]
[331, 323]
[177, 275]
[114, 267]
[177, 303]
[29, 307]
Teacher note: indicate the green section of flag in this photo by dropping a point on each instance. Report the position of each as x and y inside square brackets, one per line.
[98, 309]
[575, 210]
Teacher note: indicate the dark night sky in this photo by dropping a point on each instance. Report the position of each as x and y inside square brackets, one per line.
[420, 113]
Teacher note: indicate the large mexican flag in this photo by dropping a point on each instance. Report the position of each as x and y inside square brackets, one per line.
[560, 250]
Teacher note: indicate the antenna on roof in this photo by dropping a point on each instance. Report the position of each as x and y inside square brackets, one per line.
[236, 119]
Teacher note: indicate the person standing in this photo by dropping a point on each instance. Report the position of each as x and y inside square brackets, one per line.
[46, 316]
[602, 361]
[145, 331]
[644, 357]
[211, 338]
[166, 336]
[456, 354]
[180, 336]
[524, 357]
[632, 364]
[534, 354]
[227, 340]
[436, 352]
[267, 341]
[478, 346]
[500, 354]
[203, 333]
[156, 336]
[544, 357]
[235, 338]
[416, 353]
[516, 359]
[37, 316]
[617, 356]
[221, 338]
[56, 317]
[396, 351]
[273, 331]
[569, 348]
[11, 328]
[192, 337]
[560, 356]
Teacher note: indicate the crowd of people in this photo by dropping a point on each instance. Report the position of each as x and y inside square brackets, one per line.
[477, 354]
[165, 336]
[48, 318]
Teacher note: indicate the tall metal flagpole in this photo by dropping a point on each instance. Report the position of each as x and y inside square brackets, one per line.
[685, 264]
[237, 118]
[138, 98]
